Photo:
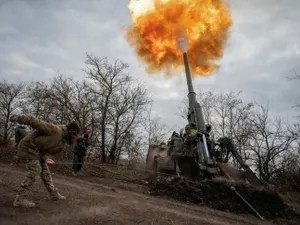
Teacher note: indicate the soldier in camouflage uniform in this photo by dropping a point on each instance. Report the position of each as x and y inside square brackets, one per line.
[20, 133]
[171, 142]
[79, 153]
[47, 139]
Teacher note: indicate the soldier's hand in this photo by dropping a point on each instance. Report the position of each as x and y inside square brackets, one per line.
[13, 118]
[50, 161]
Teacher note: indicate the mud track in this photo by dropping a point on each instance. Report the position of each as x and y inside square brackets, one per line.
[92, 200]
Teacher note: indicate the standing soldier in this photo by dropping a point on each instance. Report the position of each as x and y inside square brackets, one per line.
[171, 142]
[20, 133]
[46, 138]
[79, 153]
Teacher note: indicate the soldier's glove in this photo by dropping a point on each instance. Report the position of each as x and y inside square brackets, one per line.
[13, 118]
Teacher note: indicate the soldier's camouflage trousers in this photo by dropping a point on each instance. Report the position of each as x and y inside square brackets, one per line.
[36, 169]
[77, 162]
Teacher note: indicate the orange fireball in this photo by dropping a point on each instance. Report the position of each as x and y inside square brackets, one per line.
[156, 23]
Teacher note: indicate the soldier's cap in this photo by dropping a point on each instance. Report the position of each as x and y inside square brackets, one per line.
[73, 127]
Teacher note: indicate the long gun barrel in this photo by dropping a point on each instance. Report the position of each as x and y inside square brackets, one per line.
[195, 114]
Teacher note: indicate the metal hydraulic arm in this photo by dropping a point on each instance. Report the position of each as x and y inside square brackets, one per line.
[226, 144]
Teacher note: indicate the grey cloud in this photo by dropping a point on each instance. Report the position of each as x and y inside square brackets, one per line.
[57, 35]
[39, 37]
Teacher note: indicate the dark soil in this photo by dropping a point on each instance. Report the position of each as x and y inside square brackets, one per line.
[218, 195]
[90, 202]
[214, 194]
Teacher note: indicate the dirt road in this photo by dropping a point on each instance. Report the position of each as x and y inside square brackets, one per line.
[93, 201]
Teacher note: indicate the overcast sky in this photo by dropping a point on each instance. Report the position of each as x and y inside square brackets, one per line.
[40, 37]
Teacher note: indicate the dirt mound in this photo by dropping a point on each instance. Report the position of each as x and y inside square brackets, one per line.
[218, 195]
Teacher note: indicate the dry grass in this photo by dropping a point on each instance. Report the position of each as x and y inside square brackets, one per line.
[292, 199]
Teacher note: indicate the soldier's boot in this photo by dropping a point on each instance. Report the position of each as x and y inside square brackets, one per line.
[56, 195]
[21, 201]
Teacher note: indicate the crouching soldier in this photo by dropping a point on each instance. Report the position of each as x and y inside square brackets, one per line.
[46, 138]
[79, 153]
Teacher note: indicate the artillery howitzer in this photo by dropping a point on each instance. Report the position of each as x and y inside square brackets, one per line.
[194, 154]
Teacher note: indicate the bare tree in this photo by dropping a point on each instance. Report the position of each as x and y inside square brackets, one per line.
[64, 97]
[38, 101]
[156, 130]
[9, 102]
[231, 118]
[270, 141]
[131, 144]
[228, 115]
[128, 104]
[207, 101]
[287, 178]
[295, 76]
[106, 79]
[75, 99]
[257, 138]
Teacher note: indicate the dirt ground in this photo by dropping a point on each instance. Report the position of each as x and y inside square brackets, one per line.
[95, 200]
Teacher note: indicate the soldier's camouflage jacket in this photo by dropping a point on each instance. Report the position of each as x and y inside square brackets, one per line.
[46, 139]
